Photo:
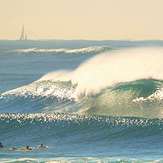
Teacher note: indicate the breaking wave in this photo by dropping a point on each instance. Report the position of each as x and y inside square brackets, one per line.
[85, 50]
[121, 83]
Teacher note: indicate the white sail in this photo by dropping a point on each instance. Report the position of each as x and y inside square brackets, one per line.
[23, 35]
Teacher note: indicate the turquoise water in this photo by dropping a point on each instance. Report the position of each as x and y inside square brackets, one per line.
[88, 101]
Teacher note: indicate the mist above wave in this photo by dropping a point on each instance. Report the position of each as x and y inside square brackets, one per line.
[110, 68]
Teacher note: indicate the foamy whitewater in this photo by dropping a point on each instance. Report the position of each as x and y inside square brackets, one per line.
[88, 101]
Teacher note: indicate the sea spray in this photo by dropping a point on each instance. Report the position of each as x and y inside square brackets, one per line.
[110, 68]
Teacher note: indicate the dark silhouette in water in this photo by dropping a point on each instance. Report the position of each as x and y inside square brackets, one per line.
[28, 147]
[42, 146]
[1, 145]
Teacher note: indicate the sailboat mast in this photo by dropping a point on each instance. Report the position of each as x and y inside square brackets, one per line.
[22, 34]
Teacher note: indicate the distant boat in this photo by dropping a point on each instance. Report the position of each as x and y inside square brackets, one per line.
[23, 35]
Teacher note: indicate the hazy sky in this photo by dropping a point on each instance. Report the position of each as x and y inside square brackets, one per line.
[82, 19]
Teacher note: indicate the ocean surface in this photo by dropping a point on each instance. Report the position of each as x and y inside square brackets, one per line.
[88, 101]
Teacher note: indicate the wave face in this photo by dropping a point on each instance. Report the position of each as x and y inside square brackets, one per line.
[89, 112]
[141, 98]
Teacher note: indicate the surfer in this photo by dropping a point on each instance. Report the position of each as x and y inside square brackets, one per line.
[1, 145]
[42, 146]
[10, 149]
[28, 148]
[22, 149]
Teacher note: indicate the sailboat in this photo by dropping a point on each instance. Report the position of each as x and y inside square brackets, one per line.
[23, 35]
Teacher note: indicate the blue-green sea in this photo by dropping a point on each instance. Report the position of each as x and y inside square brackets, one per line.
[87, 101]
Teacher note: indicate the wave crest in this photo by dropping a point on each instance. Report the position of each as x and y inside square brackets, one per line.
[85, 50]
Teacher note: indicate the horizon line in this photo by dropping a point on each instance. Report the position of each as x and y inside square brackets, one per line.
[44, 39]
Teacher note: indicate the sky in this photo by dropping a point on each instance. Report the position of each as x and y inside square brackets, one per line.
[82, 19]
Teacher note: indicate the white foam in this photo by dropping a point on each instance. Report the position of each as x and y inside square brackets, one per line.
[43, 89]
[156, 96]
[90, 49]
